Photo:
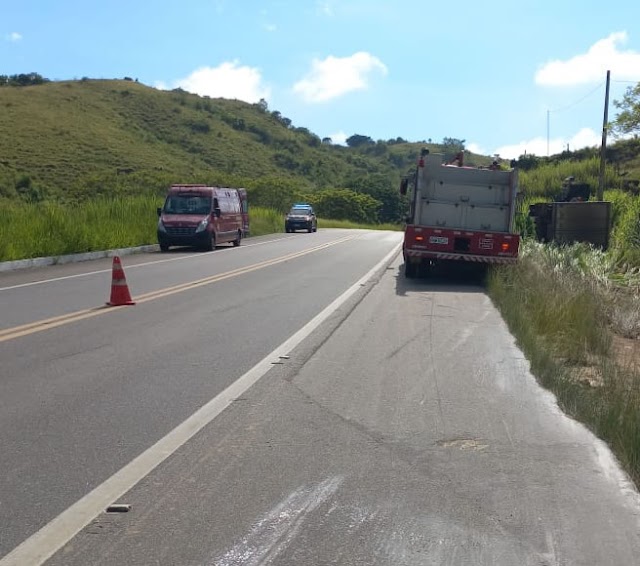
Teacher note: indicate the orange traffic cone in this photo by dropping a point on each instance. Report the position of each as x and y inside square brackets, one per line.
[119, 289]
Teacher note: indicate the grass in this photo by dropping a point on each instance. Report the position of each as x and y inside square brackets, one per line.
[77, 139]
[557, 303]
[29, 230]
[50, 229]
[546, 180]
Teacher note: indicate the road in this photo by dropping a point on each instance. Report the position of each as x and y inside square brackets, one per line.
[291, 401]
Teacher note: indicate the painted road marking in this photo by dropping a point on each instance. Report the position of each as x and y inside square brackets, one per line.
[40, 546]
[135, 265]
[46, 324]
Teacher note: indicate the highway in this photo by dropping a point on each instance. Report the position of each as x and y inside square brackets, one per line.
[292, 401]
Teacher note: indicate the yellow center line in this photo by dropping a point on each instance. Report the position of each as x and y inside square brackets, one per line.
[54, 322]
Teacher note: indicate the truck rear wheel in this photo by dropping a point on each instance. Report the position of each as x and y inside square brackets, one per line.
[237, 241]
[409, 270]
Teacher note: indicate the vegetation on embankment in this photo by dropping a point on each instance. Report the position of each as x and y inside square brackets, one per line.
[29, 230]
[51, 229]
[570, 309]
[71, 141]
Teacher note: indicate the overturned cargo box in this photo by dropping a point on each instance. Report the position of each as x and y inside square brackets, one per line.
[571, 222]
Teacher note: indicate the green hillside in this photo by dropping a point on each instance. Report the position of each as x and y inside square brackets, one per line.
[67, 141]
[74, 139]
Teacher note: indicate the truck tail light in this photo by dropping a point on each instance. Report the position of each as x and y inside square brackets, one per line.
[419, 238]
[505, 246]
[421, 162]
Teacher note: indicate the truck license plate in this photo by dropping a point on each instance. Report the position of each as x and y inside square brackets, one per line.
[438, 240]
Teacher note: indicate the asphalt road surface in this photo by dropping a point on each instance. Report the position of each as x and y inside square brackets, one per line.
[292, 401]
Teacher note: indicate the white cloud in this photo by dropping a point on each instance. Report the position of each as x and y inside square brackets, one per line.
[13, 36]
[227, 80]
[339, 138]
[334, 76]
[270, 27]
[475, 148]
[591, 67]
[586, 137]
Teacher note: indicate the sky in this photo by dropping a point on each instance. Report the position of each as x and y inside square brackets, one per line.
[506, 77]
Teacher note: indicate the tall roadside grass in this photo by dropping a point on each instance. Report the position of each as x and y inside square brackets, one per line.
[625, 233]
[265, 221]
[51, 229]
[558, 303]
[546, 180]
[29, 230]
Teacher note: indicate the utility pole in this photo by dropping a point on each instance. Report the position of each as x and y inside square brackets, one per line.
[603, 147]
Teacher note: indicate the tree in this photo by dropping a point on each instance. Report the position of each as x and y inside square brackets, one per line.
[275, 192]
[452, 145]
[343, 204]
[357, 140]
[22, 79]
[628, 121]
[327, 141]
[393, 205]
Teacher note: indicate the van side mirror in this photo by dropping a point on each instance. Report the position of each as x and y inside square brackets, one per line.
[404, 185]
[159, 211]
[217, 212]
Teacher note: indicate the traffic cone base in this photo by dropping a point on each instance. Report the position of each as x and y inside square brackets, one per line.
[119, 289]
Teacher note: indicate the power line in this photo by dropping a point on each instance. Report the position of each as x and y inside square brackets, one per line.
[579, 100]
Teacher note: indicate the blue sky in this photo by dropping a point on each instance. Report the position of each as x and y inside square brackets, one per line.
[490, 73]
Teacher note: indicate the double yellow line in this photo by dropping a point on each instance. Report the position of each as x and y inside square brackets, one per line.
[46, 324]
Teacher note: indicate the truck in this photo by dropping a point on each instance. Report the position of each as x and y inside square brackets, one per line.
[458, 214]
[202, 216]
[572, 217]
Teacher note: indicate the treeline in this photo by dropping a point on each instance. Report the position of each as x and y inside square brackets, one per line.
[617, 154]
[22, 79]
[367, 199]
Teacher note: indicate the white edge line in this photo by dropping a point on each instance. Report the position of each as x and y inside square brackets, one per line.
[43, 544]
[134, 266]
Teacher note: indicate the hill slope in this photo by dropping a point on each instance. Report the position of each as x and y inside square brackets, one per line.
[77, 138]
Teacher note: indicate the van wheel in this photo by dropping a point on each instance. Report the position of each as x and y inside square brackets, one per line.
[164, 247]
[237, 241]
[210, 244]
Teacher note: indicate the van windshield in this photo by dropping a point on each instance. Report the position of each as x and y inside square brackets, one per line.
[300, 211]
[187, 204]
